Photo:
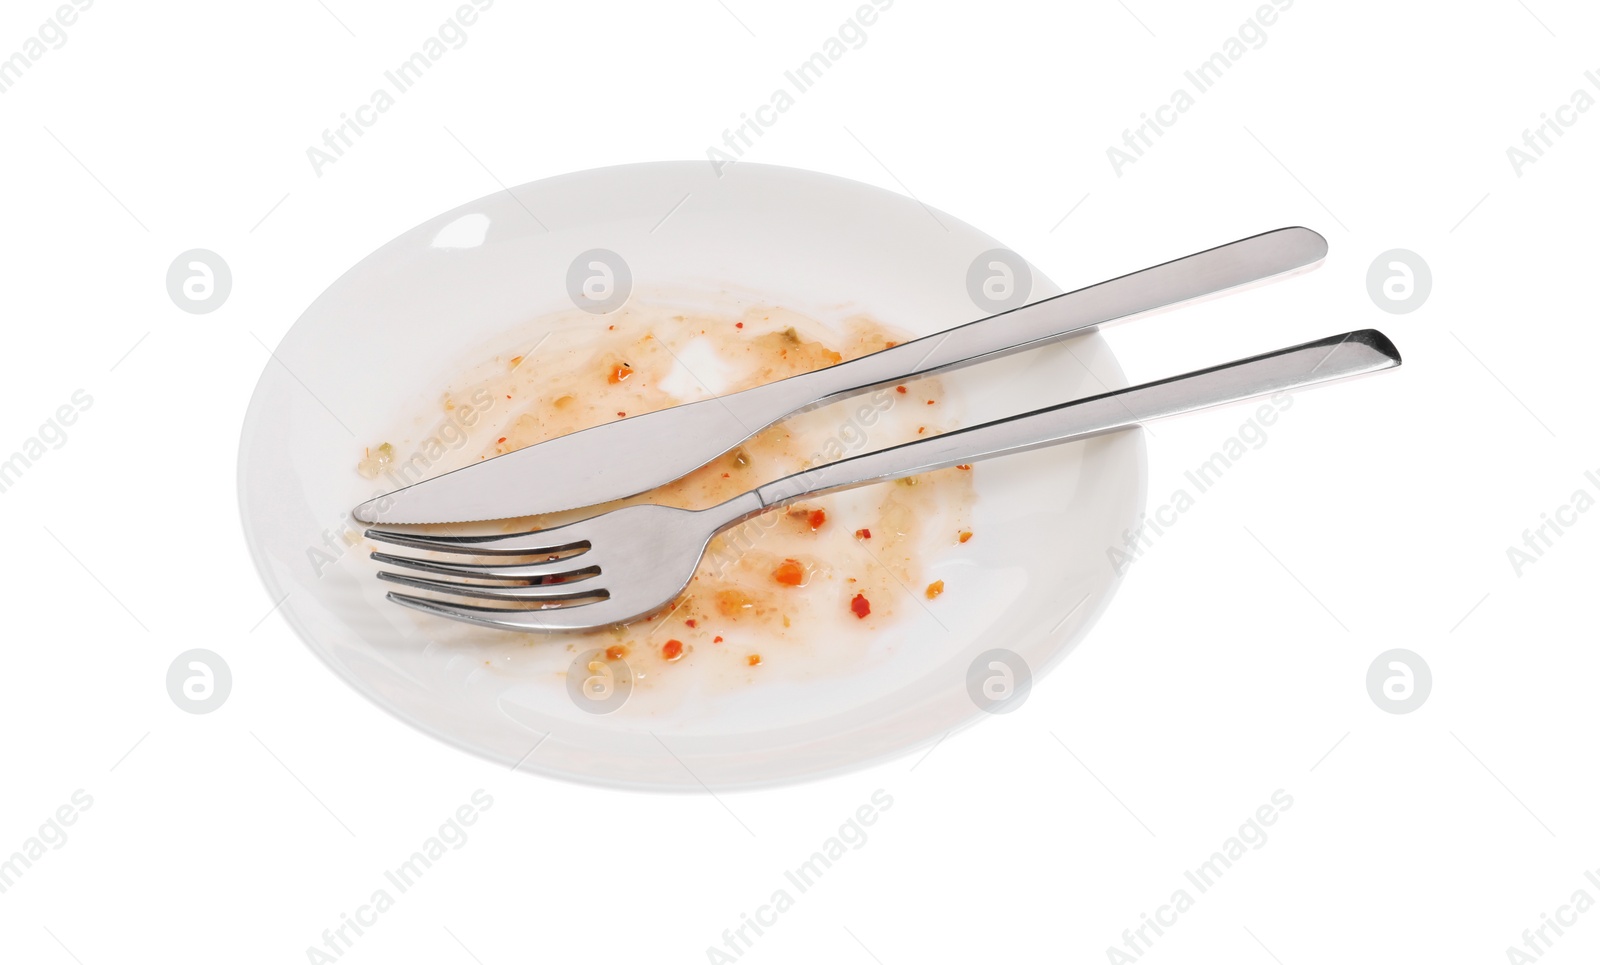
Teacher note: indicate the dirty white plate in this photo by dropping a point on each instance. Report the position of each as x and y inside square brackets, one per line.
[399, 324]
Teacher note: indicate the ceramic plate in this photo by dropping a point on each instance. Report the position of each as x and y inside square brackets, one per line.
[382, 343]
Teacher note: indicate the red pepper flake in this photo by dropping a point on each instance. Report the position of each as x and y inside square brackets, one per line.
[502, 438]
[900, 389]
[790, 573]
[617, 652]
[863, 534]
[716, 639]
[860, 607]
[672, 649]
[965, 535]
[935, 588]
[690, 623]
[622, 415]
[930, 402]
[816, 518]
[738, 324]
[753, 660]
[965, 465]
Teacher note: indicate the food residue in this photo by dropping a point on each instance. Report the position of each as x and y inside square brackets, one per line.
[786, 581]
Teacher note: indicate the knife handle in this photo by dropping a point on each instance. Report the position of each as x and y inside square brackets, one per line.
[1324, 360]
[1205, 273]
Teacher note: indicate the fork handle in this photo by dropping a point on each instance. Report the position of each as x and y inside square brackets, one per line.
[1325, 360]
[1206, 273]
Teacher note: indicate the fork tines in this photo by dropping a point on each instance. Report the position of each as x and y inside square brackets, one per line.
[551, 574]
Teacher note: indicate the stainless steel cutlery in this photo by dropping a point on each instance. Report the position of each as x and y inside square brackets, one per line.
[628, 563]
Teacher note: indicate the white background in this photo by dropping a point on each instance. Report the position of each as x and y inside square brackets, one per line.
[1232, 663]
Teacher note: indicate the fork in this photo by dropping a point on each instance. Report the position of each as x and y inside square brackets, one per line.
[632, 562]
